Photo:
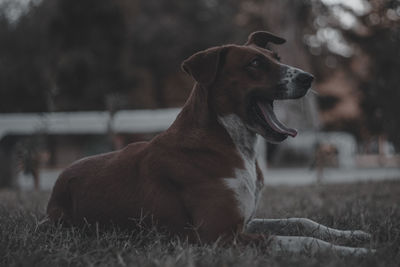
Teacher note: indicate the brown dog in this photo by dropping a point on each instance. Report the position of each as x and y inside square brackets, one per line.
[199, 179]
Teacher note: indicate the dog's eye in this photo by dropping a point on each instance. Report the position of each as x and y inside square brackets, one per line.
[256, 63]
[277, 57]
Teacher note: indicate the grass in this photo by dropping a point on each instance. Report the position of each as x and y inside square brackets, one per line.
[372, 207]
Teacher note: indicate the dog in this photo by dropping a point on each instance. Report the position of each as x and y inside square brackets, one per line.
[200, 179]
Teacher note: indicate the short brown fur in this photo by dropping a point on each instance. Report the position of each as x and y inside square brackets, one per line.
[176, 178]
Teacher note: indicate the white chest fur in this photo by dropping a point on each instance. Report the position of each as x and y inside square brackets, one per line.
[244, 183]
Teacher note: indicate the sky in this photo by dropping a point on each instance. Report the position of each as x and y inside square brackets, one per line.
[14, 9]
[358, 6]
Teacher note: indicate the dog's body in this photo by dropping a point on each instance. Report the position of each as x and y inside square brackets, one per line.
[199, 179]
[178, 179]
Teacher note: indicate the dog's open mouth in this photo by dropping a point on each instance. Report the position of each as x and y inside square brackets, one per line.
[264, 115]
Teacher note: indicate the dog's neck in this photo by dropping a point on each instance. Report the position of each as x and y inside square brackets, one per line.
[197, 113]
[243, 139]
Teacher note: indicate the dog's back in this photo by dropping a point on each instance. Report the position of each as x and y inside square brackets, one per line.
[112, 185]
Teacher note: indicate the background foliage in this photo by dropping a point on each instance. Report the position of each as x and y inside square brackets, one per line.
[62, 55]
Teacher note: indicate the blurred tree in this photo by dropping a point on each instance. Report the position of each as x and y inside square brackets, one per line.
[63, 55]
[76, 55]
[163, 33]
[86, 38]
[364, 41]
[380, 41]
[22, 86]
[99, 54]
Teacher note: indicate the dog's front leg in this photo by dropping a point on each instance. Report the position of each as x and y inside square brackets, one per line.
[312, 246]
[304, 227]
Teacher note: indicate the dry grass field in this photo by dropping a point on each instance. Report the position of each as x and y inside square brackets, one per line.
[372, 207]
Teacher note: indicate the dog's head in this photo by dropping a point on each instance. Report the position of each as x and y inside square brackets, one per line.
[245, 81]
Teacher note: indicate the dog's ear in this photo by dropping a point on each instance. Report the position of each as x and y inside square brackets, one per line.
[262, 38]
[203, 66]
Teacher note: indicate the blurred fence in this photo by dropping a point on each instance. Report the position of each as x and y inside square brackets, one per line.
[153, 121]
[80, 123]
[137, 121]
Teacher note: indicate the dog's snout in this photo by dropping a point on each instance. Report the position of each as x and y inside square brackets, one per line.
[305, 79]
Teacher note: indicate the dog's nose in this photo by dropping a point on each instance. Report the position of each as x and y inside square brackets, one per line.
[305, 79]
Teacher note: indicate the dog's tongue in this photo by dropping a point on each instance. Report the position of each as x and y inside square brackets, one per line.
[273, 121]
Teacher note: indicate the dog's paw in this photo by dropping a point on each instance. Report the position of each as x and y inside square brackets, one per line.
[356, 252]
[361, 236]
[352, 238]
